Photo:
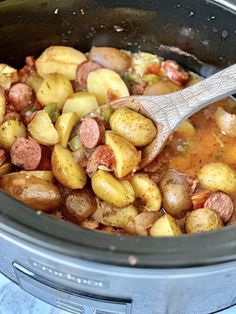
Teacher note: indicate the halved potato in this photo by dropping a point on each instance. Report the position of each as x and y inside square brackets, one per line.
[2, 105]
[186, 129]
[10, 130]
[8, 76]
[42, 129]
[126, 155]
[34, 82]
[111, 190]
[81, 103]
[104, 81]
[165, 226]
[59, 59]
[64, 125]
[66, 170]
[147, 190]
[42, 174]
[55, 88]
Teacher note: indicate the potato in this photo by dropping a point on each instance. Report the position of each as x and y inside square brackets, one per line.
[45, 175]
[162, 87]
[42, 129]
[112, 216]
[32, 191]
[133, 126]
[5, 168]
[142, 222]
[147, 191]
[81, 103]
[165, 226]
[202, 220]
[79, 205]
[104, 81]
[2, 105]
[34, 82]
[126, 155]
[226, 122]
[176, 193]
[217, 176]
[55, 88]
[64, 126]
[10, 130]
[59, 59]
[186, 129]
[66, 170]
[111, 190]
[8, 76]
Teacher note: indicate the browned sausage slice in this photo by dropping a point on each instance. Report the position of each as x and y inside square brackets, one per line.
[174, 72]
[221, 203]
[26, 153]
[92, 132]
[20, 96]
[83, 71]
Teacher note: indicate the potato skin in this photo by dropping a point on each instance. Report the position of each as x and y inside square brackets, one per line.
[79, 205]
[10, 130]
[32, 191]
[133, 126]
[202, 220]
[217, 176]
[147, 190]
[111, 190]
[176, 194]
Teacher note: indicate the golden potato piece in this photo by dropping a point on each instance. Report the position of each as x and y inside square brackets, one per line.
[8, 76]
[45, 175]
[32, 191]
[81, 103]
[55, 88]
[186, 129]
[217, 176]
[104, 81]
[108, 215]
[64, 125]
[2, 105]
[111, 190]
[165, 226]
[133, 126]
[147, 191]
[142, 222]
[59, 59]
[126, 155]
[34, 82]
[66, 170]
[202, 220]
[10, 130]
[42, 129]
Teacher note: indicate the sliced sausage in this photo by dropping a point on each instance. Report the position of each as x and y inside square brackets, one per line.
[80, 204]
[92, 132]
[110, 58]
[12, 116]
[174, 72]
[3, 156]
[20, 96]
[45, 162]
[221, 203]
[83, 71]
[26, 153]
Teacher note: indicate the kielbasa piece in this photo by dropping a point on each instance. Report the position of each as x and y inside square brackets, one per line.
[26, 153]
[12, 116]
[92, 132]
[80, 204]
[174, 72]
[83, 71]
[221, 203]
[20, 96]
[102, 156]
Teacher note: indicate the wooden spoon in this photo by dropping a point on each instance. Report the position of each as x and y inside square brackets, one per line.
[168, 111]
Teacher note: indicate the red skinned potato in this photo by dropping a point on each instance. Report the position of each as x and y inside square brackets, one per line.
[110, 58]
[34, 192]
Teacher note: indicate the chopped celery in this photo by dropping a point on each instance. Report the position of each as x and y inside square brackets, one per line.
[52, 111]
[150, 78]
[75, 143]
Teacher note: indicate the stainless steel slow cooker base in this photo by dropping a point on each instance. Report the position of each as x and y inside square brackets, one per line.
[90, 288]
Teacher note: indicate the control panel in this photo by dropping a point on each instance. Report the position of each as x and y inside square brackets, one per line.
[71, 301]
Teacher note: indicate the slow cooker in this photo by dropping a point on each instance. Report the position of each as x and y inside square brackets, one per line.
[86, 272]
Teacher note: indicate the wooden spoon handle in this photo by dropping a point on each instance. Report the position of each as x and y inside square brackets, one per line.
[187, 101]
